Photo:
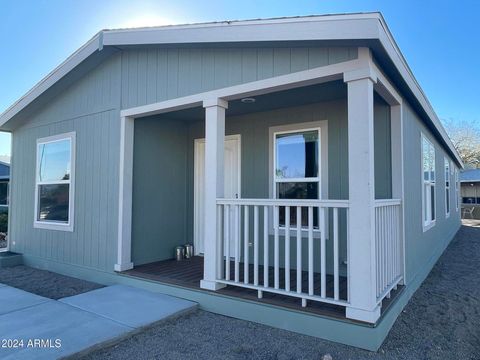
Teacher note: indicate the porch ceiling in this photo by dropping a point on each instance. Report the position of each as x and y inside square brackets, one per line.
[282, 99]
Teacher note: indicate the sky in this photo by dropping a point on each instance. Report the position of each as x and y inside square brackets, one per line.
[440, 39]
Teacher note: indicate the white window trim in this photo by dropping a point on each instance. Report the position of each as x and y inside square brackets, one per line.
[457, 190]
[447, 173]
[427, 225]
[52, 225]
[322, 127]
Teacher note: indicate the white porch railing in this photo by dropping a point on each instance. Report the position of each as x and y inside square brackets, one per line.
[287, 259]
[388, 246]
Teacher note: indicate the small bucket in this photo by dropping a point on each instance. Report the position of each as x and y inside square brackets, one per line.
[188, 251]
[179, 253]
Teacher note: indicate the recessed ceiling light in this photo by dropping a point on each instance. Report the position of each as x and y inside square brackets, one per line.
[248, 100]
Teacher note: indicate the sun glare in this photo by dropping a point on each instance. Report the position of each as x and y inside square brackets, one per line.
[147, 20]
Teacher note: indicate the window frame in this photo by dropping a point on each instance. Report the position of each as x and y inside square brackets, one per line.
[428, 223]
[457, 190]
[56, 225]
[448, 180]
[6, 181]
[322, 127]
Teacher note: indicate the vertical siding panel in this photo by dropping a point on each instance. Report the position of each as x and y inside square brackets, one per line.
[195, 66]
[208, 69]
[162, 71]
[184, 75]
[249, 65]
[142, 77]
[281, 61]
[221, 68]
[172, 74]
[234, 67]
[151, 75]
[337, 54]
[132, 79]
[317, 57]
[299, 59]
[265, 63]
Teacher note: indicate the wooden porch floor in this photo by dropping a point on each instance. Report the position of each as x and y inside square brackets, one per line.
[188, 273]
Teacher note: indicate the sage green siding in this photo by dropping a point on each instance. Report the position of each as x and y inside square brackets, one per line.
[153, 75]
[89, 104]
[422, 249]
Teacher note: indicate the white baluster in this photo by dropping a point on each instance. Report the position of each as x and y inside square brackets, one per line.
[287, 248]
[299, 249]
[237, 243]
[226, 232]
[255, 245]
[246, 261]
[323, 254]
[310, 250]
[265, 247]
[336, 287]
[276, 256]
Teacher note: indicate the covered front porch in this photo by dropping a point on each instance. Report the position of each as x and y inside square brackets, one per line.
[326, 239]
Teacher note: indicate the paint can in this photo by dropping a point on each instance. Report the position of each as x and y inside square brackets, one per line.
[179, 253]
[188, 251]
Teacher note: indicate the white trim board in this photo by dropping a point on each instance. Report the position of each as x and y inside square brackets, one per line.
[354, 27]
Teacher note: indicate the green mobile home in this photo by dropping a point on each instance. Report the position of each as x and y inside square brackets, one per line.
[299, 156]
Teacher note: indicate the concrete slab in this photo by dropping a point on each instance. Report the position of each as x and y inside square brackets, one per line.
[129, 306]
[64, 330]
[15, 299]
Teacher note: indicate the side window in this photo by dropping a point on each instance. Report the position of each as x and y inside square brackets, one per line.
[54, 182]
[428, 180]
[447, 187]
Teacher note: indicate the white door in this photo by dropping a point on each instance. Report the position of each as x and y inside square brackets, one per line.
[231, 190]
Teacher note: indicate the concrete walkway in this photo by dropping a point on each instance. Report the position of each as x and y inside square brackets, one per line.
[35, 327]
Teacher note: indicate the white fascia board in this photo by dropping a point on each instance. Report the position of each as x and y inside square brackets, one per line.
[298, 29]
[55, 75]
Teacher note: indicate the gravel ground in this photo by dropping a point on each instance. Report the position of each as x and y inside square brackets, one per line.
[441, 321]
[44, 283]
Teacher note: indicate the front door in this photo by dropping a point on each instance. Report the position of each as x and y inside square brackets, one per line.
[231, 190]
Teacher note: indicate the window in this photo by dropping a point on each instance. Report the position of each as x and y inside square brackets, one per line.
[428, 189]
[3, 193]
[55, 182]
[297, 170]
[447, 188]
[457, 190]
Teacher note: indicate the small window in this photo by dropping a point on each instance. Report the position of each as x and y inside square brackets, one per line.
[297, 170]
[447, 188]
[428, 188]
[3, 193]
[457, 190]
[54, 182]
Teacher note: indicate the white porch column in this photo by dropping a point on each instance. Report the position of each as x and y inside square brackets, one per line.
[124, 241]
[361, 180]
[214, 187]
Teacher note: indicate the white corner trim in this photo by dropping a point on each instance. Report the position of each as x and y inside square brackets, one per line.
[52, 225]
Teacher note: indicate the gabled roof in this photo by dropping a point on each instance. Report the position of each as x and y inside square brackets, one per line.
[472, 175]
[358, 29]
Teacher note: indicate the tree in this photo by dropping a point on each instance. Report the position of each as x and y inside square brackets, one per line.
[465, 136]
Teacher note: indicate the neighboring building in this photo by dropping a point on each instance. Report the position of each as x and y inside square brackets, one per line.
[470, 191]
[119, 156]
[4, 179]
